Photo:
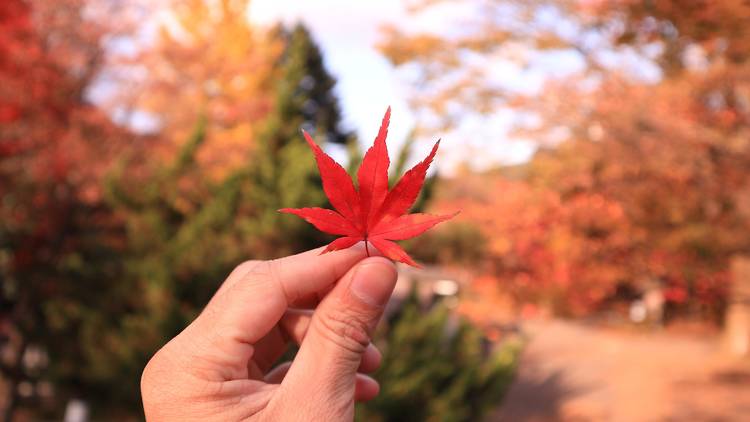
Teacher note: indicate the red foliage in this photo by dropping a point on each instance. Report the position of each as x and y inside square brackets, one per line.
[567, 254]
[372, 213]
[54, 146]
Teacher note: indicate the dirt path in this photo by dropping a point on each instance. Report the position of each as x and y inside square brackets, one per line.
[573, 372]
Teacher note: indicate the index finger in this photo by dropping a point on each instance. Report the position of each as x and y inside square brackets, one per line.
[257, 293]
[320, 269]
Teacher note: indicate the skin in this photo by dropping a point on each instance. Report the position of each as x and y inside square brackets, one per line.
[220, 366]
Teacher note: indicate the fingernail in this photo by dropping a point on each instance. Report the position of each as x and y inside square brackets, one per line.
[373, 282]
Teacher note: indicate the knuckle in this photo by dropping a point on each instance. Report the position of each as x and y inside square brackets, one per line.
[348, 330]
[257, 273]
[246, 266]
[269, 272]
[236, 276]
[259, 270]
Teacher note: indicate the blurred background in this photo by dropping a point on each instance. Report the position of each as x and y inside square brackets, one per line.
[599, 151]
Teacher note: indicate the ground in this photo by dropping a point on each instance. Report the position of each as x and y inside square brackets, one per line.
[573, 371]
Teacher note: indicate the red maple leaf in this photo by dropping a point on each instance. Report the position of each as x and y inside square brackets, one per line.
[372, 213]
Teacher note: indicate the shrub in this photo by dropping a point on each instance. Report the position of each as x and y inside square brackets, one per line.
[437, 368]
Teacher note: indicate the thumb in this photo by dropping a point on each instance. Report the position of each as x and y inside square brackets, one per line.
[323, 373]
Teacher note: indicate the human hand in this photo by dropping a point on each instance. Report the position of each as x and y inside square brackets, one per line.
[219, 367]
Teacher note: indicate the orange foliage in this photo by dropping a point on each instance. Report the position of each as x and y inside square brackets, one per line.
[635, 182]
[209, 61]
[566, 254]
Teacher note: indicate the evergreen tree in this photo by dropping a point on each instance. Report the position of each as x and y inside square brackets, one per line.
[436, 368]
[185, 232]
[285, 174]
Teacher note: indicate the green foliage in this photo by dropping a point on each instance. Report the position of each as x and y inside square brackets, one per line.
[283, 174]
[437, 368]
[399, 166]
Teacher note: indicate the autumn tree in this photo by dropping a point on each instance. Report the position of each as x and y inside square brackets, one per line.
[567, 255]
[57, 237]
[205, 58]
[454, 71]
[681, 146]
[652, 120]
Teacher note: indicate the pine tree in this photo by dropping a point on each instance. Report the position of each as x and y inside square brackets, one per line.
[437, 368]
[284, 175]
